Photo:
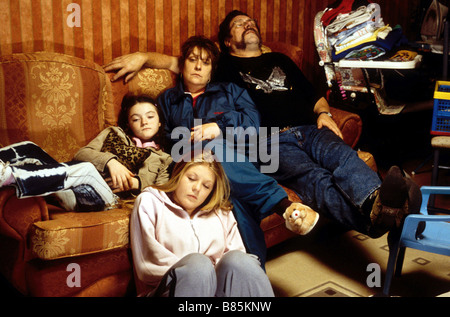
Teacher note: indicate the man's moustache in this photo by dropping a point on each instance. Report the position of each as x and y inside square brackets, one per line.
[248, 30]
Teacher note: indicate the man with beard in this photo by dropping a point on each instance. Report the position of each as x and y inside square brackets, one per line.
[325, 172]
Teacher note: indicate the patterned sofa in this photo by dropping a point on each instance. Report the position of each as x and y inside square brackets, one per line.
[61, 102]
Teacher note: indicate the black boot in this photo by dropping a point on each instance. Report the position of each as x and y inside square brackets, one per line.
[391, 204]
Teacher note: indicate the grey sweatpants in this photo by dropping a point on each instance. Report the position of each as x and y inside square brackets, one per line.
[236, 275]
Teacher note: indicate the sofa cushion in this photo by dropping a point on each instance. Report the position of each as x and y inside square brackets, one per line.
[148, 81]
[294, 52]
[55, 100]
[69, 234]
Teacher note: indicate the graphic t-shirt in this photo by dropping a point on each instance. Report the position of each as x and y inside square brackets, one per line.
[281, 92]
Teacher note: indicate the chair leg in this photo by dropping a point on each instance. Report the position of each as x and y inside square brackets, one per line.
[434, 175]
[416, 170]
[400, 258]
[393, 242]
[390, 271]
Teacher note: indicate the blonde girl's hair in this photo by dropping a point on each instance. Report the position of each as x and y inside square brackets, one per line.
[220, 194]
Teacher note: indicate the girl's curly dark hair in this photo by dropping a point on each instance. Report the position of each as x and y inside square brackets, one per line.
[128, 102]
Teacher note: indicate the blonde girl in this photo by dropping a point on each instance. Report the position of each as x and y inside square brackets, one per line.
[185, 240]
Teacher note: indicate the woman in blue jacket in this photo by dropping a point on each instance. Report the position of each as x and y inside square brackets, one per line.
[212, 115]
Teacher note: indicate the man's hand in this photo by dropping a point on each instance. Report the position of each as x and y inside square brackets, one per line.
[127, 64]
[207, 131]
[325, 121]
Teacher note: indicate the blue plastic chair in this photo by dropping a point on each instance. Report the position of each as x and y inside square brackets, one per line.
[435, 238]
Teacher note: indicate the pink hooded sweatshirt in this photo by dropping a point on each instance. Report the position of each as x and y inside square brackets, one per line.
[162, 233]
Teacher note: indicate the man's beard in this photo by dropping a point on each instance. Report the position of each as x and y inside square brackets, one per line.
[242, 45]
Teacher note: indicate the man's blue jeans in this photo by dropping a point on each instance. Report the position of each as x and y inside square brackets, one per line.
[326, 173]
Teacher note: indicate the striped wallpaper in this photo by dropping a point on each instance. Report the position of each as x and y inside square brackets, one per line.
[110, 28]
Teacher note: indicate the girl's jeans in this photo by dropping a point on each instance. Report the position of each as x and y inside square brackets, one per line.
[327, 174]
[77, 185]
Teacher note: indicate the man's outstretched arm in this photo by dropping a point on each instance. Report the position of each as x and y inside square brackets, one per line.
[128, 65]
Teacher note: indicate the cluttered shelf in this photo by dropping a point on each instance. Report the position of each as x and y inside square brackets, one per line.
[403, 59]
[359, 53]
[357, 63]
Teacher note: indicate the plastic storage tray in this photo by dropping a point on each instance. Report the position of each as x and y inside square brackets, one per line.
[441, 111]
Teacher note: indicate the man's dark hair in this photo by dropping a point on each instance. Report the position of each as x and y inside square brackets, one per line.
[224, 29]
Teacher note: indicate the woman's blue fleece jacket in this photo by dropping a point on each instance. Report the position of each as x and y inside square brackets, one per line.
[226, 104]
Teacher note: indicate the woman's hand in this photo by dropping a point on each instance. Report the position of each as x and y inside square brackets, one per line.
[121, 177]
[207, 131]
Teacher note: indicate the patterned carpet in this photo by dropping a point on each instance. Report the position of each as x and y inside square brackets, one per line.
[331, 262]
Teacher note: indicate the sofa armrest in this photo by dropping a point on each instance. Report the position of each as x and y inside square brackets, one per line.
[17, 215]
[350, 125]
[16, 218]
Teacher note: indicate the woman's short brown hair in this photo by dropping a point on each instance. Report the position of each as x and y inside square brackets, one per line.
[201, 43]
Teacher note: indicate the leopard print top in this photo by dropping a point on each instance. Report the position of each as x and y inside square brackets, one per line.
[130, 156]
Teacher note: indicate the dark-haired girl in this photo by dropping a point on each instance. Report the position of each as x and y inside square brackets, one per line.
[132, 153]
[129, 156]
